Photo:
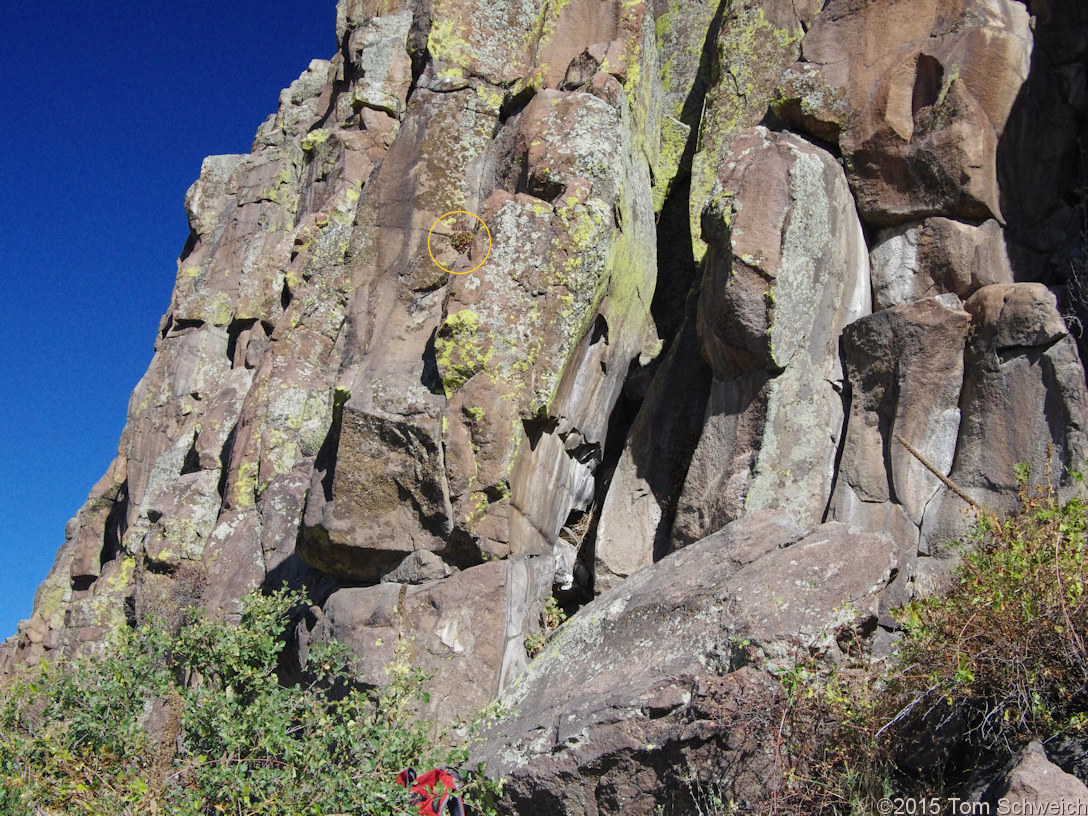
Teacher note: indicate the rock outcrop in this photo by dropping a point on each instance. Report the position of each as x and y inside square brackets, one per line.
[781, 281]
[610, 718]
[1022, 404]
[465, 630]
[327, 404]
[723, 312]
[786, 270]
[937, 256]
[917, 113]
[1037, 785]
[917, 93]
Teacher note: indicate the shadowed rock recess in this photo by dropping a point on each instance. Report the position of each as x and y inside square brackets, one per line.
[736, 251]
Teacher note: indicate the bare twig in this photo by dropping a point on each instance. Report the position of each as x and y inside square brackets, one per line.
[955, 488]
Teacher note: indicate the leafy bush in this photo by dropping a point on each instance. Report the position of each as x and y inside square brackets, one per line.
[994, 661]
[1000, 658]
[228, 735]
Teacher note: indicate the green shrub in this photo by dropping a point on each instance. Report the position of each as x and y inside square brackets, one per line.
[230, 736]
[999, 659]
[994, 661]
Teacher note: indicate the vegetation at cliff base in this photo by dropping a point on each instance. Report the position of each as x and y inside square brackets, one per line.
[996, 659]
[200, 721]
[1000, 658]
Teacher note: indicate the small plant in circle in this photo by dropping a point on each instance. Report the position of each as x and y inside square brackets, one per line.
[461, 240]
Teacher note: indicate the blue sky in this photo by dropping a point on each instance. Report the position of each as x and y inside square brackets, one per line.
[106, 110]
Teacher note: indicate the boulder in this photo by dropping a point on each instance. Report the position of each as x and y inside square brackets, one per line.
[467, 631]
[387, 499]
[937, 256]
[609, 717]
[638, 509]
[754, 43]
[786, 271]
[977, 390]
[904, 366]
[1036, 785]
[1023, 404]
[419, 567]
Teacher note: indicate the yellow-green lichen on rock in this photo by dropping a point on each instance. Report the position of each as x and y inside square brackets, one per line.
[461, 351]
[572, 265]
[314, 138]
[459, 127]
[674, 139]
[642, 84]
[751, 55]
[680, 32]
[805, 98]
[447, 41]
[244, 489]
[471, 36]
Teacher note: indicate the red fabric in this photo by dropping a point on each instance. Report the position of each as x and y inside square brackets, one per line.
[430, 790]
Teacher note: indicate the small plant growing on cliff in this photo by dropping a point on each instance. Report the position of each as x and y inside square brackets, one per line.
[461, 241]
[551, 618]
[200, 723]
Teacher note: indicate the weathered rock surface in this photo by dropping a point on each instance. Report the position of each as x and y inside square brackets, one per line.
[904, 366]
[328, 406]
[935, 257]
[607, 696]
[1023, 402]
[753, 45]
[1036, 785]
[976, 390]
[787, 270]
[917, 94]
[467, 630]
[519, 357]
[662, 341]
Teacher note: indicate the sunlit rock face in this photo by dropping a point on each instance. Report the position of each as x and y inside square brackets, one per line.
[786, 270]
[331, 399]
[652, 302]
[918, 93]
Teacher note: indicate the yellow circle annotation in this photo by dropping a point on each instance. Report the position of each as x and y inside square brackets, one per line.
[435, 224]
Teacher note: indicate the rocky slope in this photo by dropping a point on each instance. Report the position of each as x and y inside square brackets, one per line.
[737, 258]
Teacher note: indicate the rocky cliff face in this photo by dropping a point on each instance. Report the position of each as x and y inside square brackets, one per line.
[735, 256]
